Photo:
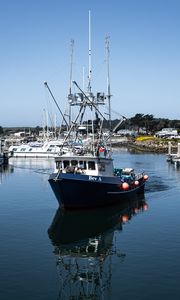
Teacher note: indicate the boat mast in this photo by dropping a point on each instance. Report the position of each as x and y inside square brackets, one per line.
[71, 63]
[45, 129]
[89, 76]
[44, 124]
[90, 70]
[55, 126]
[70, 81]
[108, 81]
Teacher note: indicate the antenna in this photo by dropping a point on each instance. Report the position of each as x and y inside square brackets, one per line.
[90, 70]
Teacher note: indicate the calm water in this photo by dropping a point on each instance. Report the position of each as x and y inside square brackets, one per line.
[127, 252]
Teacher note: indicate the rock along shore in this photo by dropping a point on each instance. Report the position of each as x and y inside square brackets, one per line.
[146, 146]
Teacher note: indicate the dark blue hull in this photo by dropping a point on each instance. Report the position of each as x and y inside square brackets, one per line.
[75, 191]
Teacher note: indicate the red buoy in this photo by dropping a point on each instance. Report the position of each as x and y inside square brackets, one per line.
[125, 186]
[125, 218]
[145, 177]
[145, 207]
[136, 182]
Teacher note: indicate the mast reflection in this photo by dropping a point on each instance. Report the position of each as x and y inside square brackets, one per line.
[84, 244]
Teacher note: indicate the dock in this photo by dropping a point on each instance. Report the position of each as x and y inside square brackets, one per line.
[174, 157]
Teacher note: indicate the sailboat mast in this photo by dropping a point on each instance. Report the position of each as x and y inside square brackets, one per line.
[90, 70]
[108, 82]
[70, 81]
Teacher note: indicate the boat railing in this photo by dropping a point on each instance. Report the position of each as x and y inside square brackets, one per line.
[139, 176]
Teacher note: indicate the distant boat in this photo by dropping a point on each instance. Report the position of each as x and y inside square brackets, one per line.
[88, 178]
[36, 150]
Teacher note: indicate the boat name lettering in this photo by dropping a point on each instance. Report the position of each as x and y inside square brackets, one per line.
[93, 178]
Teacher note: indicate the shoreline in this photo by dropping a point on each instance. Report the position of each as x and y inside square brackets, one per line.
[146, 147]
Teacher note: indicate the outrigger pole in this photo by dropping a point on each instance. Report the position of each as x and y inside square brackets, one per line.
[46, 85]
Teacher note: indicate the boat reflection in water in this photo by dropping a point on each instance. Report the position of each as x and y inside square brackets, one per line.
[5, 170]
[84, 242]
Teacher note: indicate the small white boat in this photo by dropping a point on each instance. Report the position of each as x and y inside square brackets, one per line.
[36, 150]
[47, 149]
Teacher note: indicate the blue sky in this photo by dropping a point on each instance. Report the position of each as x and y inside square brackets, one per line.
[35, 47]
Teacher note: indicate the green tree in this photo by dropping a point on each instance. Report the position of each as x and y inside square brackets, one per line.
[1, 130]
[137, 121]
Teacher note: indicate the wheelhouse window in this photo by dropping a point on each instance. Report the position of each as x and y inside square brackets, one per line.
[82, 164]
[74, 162]
[58, 164]
[66, 163]
[91, 165]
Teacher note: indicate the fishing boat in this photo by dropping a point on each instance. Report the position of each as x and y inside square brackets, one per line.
[87, 178]
[90, 180]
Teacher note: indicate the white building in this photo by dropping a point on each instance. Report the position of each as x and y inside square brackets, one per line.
[167, 132]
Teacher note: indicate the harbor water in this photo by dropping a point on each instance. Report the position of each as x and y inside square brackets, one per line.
[131, 251]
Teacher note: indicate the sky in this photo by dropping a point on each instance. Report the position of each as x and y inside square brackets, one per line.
[35, 46]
